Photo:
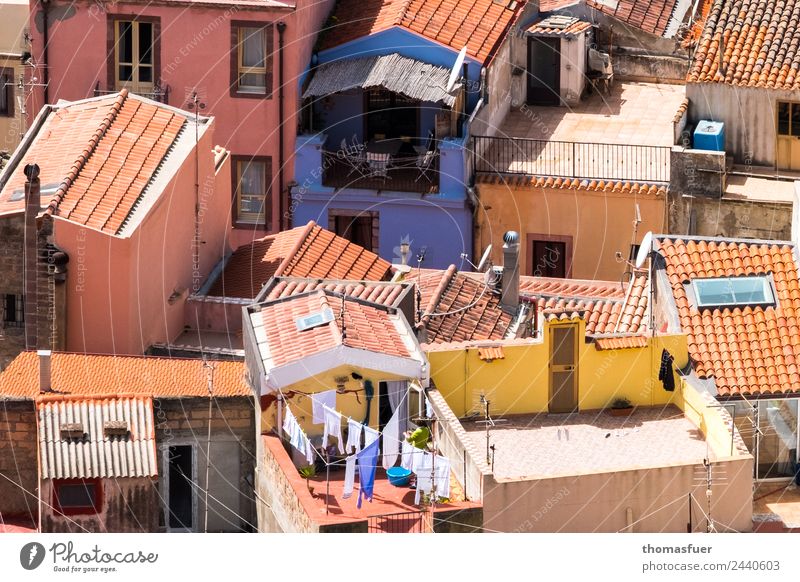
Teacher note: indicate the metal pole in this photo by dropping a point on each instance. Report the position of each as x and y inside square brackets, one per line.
[210, 369]
[328, 479]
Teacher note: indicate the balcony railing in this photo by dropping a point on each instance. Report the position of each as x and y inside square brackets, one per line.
[402, 174]
[564, 159]
[160, 94]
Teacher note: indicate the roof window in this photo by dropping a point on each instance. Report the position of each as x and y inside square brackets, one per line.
[733, 291]
[315, 319]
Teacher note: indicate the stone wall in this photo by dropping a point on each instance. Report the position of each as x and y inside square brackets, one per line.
[18, 460]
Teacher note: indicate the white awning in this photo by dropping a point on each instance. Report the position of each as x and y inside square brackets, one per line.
[410, 77]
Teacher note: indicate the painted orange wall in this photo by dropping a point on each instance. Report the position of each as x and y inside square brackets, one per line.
[600, 224]
[118, 287]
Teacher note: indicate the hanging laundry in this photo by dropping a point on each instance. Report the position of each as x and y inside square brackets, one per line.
[333, 427]
[297, 438]
[353, 436]
[367, 465]
[309, 450]
[432, 470]
[370, 436]
[349, 476]
[407, 456]
[423, 469]
[665, 371]
[319, 401]
[391, 440]
[442, 477]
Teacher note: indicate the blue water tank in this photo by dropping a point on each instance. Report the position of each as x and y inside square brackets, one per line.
[710, 135]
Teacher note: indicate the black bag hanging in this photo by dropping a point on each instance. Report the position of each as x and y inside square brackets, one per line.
[665, 372]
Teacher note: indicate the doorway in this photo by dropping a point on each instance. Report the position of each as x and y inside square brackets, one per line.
[180, 491]
[544, 71]
[563, 369]
[390, 115]
[788, 146]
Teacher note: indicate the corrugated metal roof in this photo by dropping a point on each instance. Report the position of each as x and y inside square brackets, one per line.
[414, 79]
[97, 455]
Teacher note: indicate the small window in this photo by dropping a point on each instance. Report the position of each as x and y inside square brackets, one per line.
[253, 60]
[134, 48]
[253, 191]
[6, 93]
[77, 496]
[13, 310]
[733, 291]
[356, 229]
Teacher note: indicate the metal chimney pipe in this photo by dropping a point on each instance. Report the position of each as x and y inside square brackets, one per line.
[45, 372]
[509, 298]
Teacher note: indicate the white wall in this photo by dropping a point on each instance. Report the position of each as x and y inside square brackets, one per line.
[573, 68]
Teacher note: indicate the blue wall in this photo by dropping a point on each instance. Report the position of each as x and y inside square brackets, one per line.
[444, 227]
[401, 41]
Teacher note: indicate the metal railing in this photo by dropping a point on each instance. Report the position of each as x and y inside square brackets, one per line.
[160, 94]
[401, 174]
[566, 159]
[406, 522]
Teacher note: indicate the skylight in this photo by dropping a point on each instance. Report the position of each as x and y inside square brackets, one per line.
[733, 291]
[314, 320]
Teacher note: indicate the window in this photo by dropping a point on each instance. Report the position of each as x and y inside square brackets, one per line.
[77, 496]
[733, 291]
[251, 59]
[356, 229]
[134, 52]
[253, 190]
[6, 93]
[13, 310]
[788, 118]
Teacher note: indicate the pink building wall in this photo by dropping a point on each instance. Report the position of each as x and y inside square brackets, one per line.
[195, 54]
[118, 288]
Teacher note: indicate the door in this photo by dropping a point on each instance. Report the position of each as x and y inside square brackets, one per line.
[180, 487]
[356, 229]
[544, 71]
[563, 369]
[788, 146]
[549, 258]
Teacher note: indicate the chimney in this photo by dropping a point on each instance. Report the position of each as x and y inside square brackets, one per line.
[510, 291]
[45, 377]
[30, 250]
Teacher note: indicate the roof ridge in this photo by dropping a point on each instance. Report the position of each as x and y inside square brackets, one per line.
[80, 162]
[436, 297]
[401, 14]
[290, 256]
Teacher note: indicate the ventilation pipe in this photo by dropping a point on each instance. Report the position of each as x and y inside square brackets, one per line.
[509, 298]
[45, 373]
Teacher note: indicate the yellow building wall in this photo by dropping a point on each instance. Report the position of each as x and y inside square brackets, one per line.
[519, 383]
[353, 403]
[600, 224]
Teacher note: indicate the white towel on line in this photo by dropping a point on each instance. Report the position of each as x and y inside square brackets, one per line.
[333, 427]
[353, 436]
[319, 401]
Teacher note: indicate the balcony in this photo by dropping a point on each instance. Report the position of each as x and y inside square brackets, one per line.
[417, 173]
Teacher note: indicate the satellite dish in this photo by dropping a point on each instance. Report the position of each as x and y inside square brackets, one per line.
[455, 72]
[644, 249]
[484, 258]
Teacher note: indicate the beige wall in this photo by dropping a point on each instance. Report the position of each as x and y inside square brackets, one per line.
[13, 24]
[600, 223]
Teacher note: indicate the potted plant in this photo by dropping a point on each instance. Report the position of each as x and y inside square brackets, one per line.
[307, 473]
[620, 406]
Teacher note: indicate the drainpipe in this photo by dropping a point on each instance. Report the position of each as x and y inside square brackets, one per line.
[45, 39]
[282, 221]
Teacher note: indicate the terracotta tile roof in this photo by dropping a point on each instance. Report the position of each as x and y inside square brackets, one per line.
[489, 353]
[480, 25]
[95, 375]
[570, 287]
[620, 343]
[458, 307]
[382, 293]
[97, 454]
[636, 188]
[750, 43]
[682, 109]
[652, 16]
[99, 155]
[367, 327]
[305, 251]
[549, 5]
[746, 350]
[542, 28]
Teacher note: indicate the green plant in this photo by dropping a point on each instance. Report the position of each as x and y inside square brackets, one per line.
[621, 402]
[307, 473]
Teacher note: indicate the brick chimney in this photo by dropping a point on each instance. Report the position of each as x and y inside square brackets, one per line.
[45, 373]
[30, 248]
[509, 298]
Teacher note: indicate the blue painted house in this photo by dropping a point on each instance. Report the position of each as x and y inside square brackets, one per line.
[389, 100]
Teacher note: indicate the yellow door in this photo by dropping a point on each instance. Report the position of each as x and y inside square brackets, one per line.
[788, 146]
[563, 369]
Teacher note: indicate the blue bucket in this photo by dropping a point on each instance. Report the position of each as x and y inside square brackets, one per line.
[398, 476]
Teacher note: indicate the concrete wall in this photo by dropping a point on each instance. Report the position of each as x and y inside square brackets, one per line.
[519, 382]
[749, 115]
[696, 172]
[129, 505]
[600, 223]
[573, 68]
[499, 92]
[725, 217]
[18, 461]
[186, 421]
[195, 54]
[644, 67]
[215, 313]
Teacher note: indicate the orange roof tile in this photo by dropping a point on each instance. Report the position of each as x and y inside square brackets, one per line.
[620, 342]
[99, 155]
[746, 350]
[580, 184]
[382, 293]
[305, 251]
[366, 326]
[541, 28]
[95, 375]
[480, 25]
[489, 353]
[652, 16]
[750, 43]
